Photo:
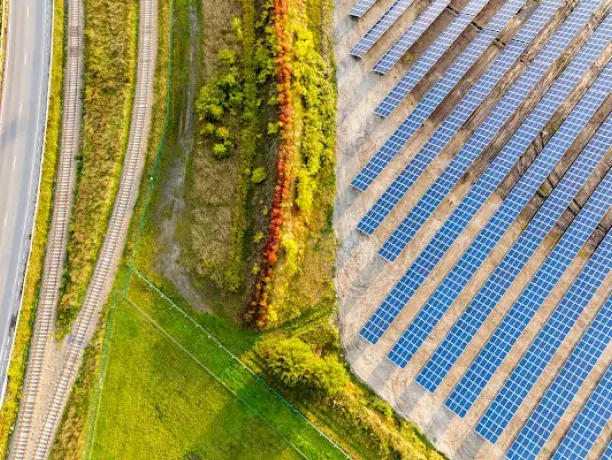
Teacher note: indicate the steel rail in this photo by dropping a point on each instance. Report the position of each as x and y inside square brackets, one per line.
[114, 242]
[58, 233]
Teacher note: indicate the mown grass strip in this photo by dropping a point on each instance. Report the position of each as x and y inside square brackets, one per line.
[191, 355]
[231, 370]
[23, 335]
[164, 380]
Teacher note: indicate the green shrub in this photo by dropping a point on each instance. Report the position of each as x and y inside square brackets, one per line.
[220, 151]
[222, 133]
[297, 367]
[259, 175]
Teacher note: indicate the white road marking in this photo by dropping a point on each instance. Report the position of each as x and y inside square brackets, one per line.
[20, 108]
[5, 219]
[25, 59]
[28, 12]
[14, 161]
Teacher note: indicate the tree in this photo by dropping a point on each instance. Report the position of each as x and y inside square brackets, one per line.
[296, 366]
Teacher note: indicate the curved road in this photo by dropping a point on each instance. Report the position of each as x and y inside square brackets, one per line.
[22, 127]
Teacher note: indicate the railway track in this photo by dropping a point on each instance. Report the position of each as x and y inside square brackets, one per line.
[110, 253]
[58, 234]
[26, 446]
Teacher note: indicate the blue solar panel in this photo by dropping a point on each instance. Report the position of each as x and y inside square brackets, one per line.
[427, 61]
[509, 330]
[566, 384]
[378, 29]
[459, 219]
[466, 107]
[410, 37]
[607, 455]
[587, 427]
[427, 105]
[477, 312]
[540, 352]
[431, 56]
[361, 7]
[474, 147]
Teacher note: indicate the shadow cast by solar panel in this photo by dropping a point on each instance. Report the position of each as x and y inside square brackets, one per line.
[470, 446]
[382, 373]
[411, 397]
[440, 422]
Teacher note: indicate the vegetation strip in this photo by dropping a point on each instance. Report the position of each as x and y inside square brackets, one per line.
[257, 312]
[29, 305]
[209, 336]
[4, 6]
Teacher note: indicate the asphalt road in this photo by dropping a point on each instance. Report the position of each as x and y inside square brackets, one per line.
[22, 126]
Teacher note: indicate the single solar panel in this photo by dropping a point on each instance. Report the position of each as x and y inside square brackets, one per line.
[361, 7]
[378, 29]
[424, 64]
[579, 440]
[564, 387]
[459, 219]
[411, 35]
[474, 147]
[431, 100]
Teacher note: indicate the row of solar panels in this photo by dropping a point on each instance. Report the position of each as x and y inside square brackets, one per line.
[519, 95]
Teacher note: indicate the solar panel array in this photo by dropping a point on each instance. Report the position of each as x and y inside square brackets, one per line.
[451, 125]
[564, 387]
[432, 99]
[587, 427]
[500, 280]
[459, 219]
[539, 354]
[420, 68]
[361, 7]
[482, 137]
[589, 89]
[378, 29]
[411, 35]
[507, 333]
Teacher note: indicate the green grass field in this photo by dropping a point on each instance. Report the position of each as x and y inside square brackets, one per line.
[171, 391]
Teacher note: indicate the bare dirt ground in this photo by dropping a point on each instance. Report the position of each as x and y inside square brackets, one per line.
[364, 279]
[173, 194]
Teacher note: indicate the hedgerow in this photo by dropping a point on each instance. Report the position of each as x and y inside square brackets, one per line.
[233, 98]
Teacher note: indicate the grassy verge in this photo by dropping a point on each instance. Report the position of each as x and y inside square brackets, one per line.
[19, 357]
[217, 407]
[3, 28]
[111, 29]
